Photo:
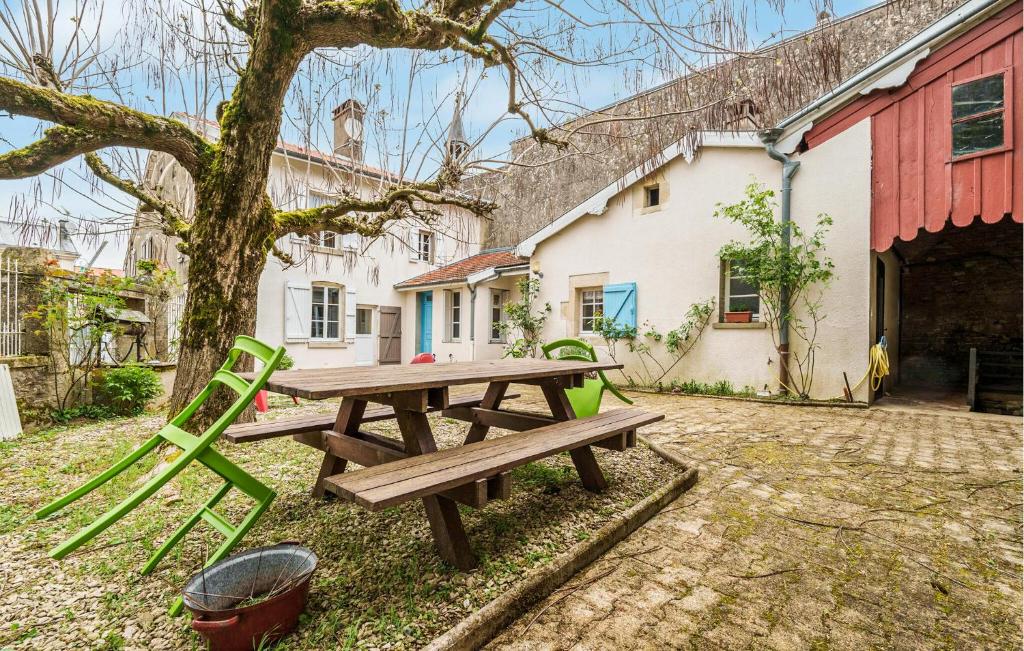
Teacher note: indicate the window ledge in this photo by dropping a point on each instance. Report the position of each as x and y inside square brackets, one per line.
[327, 344]
[647, 210]
[755, 325]
[331, 251]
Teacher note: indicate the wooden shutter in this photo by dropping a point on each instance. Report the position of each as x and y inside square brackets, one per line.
[412, 241]
[298, 309]
[350, 315]
[620, 304]
[390, 335]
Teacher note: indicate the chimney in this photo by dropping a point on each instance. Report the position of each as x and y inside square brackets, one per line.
[348, 130]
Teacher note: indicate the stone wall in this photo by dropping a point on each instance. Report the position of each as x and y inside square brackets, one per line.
[33, 386]
[961, 289]
[743, 94]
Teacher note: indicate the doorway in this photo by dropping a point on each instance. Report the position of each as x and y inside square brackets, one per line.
[366, 335]
[424, 321]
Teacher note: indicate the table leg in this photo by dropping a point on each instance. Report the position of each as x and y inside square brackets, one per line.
[442, 513]
[492, 400]
[349, 416]
[583, 458]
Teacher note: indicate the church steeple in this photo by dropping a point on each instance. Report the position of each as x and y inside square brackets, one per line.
[457, 144]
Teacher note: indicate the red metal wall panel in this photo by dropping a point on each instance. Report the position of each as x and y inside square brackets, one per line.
[915, 183]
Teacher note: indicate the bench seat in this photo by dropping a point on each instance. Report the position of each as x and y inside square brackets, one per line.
[393, 483]
[250, 432]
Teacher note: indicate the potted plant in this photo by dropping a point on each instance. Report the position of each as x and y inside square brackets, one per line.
[739, 317]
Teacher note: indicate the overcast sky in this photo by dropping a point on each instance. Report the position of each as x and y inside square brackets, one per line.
[432, 89]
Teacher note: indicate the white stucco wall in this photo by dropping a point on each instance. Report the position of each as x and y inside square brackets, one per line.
[473, 344]
[370, 272]
[671, 254]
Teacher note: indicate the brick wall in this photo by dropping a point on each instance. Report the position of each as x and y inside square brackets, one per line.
[962, 288]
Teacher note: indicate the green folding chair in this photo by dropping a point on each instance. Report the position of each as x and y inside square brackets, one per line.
[193, 448]
[585, 400]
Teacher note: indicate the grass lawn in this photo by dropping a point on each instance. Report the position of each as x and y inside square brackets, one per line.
[379, 584]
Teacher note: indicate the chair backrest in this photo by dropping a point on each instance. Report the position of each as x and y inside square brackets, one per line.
[573, 349]
[581, 351]
[246, 391]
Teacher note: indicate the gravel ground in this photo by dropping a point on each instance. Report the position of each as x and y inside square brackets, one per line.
[379, 583]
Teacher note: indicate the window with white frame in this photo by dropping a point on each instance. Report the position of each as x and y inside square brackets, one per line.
[325, 318]
[498, 299]
[327, 239]
[591, 306]
[364, 321]
[453, 315]
[424, 246]
[740, 293]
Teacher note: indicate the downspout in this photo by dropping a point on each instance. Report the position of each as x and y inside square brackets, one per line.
[472, 321]
[789, 169]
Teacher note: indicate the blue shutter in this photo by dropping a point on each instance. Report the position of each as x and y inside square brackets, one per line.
[620, 304]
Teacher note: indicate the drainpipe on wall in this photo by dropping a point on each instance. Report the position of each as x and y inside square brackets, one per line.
[472, 321]
[789, 169]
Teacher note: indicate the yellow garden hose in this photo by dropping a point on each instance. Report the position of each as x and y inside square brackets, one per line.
[878, 366]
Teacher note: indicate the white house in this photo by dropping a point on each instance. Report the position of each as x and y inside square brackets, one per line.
[455, 310]
[336, 304]
[917, 160]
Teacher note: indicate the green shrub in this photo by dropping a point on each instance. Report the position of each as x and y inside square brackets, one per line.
[92, 412]
[128, 389]
[287, 361]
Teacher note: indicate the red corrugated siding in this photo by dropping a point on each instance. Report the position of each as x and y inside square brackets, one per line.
[914, 184]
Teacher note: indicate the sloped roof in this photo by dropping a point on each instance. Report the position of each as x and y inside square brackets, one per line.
[211, 129]
[461, 270]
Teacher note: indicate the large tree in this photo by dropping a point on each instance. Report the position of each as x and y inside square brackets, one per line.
[259, 47]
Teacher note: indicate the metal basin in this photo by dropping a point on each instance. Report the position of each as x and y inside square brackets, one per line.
[277, 576]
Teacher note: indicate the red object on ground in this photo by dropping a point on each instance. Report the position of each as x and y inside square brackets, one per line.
[261, 401]
[424, 358]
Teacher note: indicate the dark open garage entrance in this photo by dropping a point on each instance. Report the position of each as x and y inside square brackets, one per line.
[959, 290]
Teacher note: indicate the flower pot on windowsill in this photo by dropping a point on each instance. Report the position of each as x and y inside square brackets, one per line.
[739, 317]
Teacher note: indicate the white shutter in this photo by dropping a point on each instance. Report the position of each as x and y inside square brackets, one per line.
[412, 242]
[350, 241]
[350, 315]
[440, 256]
[298, 309]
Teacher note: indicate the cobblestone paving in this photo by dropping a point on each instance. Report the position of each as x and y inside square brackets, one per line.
[810, 528]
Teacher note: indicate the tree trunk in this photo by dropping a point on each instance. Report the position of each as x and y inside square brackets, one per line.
[234, 225]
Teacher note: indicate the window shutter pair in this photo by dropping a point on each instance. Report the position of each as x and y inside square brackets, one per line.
[298, 307]
[620, 304]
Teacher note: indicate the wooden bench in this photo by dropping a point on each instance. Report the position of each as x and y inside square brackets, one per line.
[995, 381]
[471, 465]
[250, 432]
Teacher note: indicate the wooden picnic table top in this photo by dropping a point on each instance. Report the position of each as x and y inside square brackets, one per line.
[320, 383]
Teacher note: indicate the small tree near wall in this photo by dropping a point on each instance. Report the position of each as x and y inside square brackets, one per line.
[522, 329]
[790, 278]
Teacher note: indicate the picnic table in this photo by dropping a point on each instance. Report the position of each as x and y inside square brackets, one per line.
[474, 473]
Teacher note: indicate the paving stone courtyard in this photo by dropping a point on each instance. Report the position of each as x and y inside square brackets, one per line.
[810, 528]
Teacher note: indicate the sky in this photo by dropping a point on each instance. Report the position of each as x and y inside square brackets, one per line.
[406, 113]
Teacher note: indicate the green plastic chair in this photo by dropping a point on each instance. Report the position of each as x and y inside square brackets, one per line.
[193, 448]
[585, 400]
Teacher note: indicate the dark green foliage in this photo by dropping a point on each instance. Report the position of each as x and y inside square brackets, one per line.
[128, 389]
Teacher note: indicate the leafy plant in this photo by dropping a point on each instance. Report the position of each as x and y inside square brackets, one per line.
[522, 329]
[790, 278]
[653, 346]
[92, 412]
[287, 362]
[76, 314]
[130, 388]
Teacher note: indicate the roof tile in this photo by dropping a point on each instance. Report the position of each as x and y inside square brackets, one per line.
[462, 269]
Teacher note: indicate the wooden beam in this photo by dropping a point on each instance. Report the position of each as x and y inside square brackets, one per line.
[510, 420]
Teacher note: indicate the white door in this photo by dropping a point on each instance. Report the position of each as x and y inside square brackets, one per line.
[366, 335]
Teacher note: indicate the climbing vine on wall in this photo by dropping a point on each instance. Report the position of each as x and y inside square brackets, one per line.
[657, 354]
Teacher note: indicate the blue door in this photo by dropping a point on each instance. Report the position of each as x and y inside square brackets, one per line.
[425, 311]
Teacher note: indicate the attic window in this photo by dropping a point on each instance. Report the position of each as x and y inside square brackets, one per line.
[979, 115]
[652, 196]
